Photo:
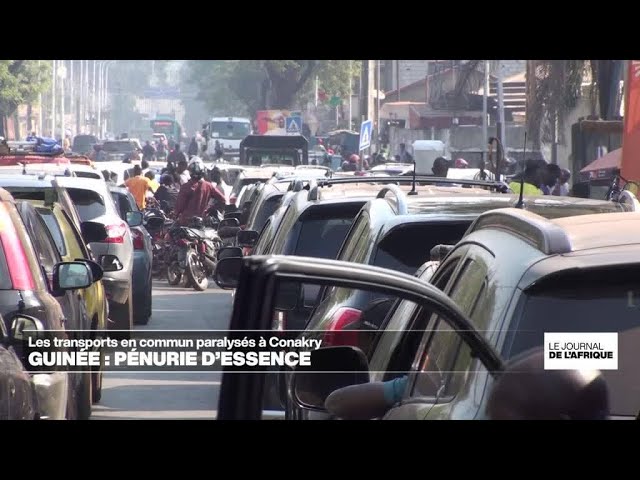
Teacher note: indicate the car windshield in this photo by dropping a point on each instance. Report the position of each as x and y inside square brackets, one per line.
[119, 147]
[89, 204]
[230, 130]
[596, 301]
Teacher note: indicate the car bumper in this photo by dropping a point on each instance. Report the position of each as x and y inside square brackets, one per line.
[117, 290]
[52, 390]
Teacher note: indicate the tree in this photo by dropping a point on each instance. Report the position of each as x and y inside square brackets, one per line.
[20, 82]
[264, 84]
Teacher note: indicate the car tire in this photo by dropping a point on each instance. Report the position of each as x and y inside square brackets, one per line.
[96, 387]
[85, 398]
[122, 315]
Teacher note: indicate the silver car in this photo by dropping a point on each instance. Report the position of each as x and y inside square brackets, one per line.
[94, 203]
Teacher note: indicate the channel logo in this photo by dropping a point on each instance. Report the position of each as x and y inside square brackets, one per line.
[581, 351]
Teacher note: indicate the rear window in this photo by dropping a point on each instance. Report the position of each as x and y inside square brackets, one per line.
[123, 204]
[591, 301]
[54, 228]
[88, 174]
[407, 247]
[89, 204]
[119, 147]
[322, 238]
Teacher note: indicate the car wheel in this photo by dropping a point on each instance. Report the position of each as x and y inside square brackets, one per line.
[85, 399]
[96, 387]
[122, 315]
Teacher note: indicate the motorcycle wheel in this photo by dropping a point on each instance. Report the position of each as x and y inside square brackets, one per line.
[196, 272]
[173, 274]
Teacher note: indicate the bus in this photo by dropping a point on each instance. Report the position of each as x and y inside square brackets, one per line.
[169, 126]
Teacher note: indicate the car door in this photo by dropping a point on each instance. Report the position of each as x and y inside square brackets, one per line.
[263, 282]
[441, 384]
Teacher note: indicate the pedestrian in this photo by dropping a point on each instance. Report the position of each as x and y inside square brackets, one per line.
[192, 151]
[195, 195]
[148, 151]
[176, 156]
[561, 188]
[152, 180]
[183, 172]
[144, 165]
[551, 174]
[138, 185]
[532, 179]
[405, 157]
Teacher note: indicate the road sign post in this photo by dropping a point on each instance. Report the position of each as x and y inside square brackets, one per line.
[293, 125]
[365, 134]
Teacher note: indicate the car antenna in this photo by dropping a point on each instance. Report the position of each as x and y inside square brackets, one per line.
[520, 203]
[413, 183]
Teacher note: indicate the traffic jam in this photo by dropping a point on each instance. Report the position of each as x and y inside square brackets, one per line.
[416, 286]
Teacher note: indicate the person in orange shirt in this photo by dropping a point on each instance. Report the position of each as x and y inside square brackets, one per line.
[139, 185]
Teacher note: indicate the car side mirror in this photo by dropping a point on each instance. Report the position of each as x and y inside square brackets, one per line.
[93, 232]
[526, 391]
[229, 222]
[96, 270]
[134, 219]
[247, 238]
[71, 276]
[227, 252]
[23, 327]
[227, 273]
[110, 263]
[340, 366]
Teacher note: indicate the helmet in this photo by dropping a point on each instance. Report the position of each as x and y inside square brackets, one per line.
[196, 169]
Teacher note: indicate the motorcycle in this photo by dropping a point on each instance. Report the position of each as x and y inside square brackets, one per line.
[157, 223]
[193, 256]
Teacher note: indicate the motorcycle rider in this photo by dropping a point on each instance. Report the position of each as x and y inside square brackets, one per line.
[195, 195]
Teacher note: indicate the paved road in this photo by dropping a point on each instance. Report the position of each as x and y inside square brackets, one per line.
[170, 395]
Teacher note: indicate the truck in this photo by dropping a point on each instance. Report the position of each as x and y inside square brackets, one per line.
[274, 150]
[228, 132]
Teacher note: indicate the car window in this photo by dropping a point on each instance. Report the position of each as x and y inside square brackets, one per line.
[42, 241]
[407, 247]
[353, 242]
[267, 209]
[282, 234]
[74, 240]
[89, 204]
[587, 301]
[436, 365]
[322, 238]
[123, 204]
[54, 229]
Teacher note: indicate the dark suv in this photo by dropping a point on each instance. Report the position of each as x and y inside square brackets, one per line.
[398, 232]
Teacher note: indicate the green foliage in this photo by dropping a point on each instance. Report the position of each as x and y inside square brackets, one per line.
[21, 81]
[245, 86]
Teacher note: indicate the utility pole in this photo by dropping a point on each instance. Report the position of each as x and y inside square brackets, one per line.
[350, 95]
[72, 102]
[485, 112]
[63, 75]
[54, 92]
[93, 99]
[40, 109]
[398, 79]
[377, 83]
[501, 126]
[99, 99]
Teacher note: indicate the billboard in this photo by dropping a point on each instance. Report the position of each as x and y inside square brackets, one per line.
[273, 122]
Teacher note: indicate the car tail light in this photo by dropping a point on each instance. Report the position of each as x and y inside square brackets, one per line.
[335, 334]
[138, 239]
[116, 233]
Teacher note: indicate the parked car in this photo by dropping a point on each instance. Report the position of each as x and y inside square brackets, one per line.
[142, 257]
[71, 247]
[83, 144]
[72, 301]
[120, 150]
[115, 253]
[27, 290]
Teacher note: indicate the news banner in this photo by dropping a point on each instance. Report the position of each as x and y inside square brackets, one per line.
[167, 350]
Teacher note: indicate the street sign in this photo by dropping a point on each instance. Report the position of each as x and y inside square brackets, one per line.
[293, 125]
[365, 134]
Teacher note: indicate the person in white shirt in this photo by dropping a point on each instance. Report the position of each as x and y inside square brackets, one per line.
[182, 171]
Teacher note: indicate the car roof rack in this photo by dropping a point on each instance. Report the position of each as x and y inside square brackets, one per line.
[401, 198]
[539, 232]
[420, 179]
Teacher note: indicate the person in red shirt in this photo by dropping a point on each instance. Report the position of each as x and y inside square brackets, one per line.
[195, 195]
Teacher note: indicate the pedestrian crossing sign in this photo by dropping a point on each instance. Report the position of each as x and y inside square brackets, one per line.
[293, 125]
[365, 134]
